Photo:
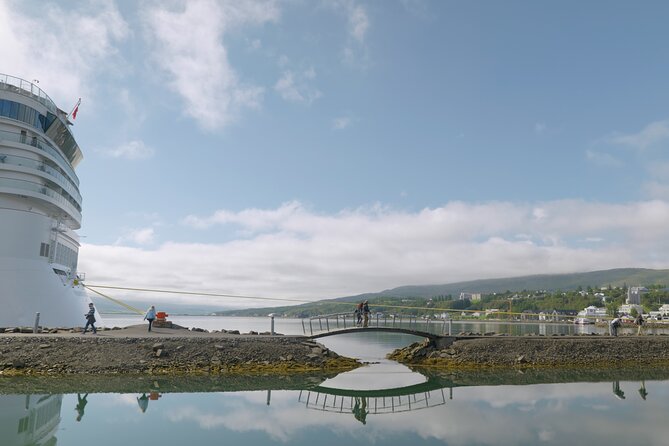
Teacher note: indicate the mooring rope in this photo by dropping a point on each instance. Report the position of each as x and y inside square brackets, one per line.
[284, 299]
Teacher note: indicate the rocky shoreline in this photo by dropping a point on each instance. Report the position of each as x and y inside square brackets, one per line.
[589, 351]
[171, 352]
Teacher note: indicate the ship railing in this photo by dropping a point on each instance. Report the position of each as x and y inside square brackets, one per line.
[27, 88]
[57, 176]
[43, 145]
[43, 190]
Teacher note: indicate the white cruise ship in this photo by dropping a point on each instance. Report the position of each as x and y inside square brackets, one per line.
[40, 209]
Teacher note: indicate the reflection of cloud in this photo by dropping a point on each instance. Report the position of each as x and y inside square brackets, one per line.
[494, 415]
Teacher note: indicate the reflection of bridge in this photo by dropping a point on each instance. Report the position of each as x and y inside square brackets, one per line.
[339, 323]
[364, 402]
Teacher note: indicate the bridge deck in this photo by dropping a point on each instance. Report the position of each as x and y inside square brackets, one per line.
[333, 332]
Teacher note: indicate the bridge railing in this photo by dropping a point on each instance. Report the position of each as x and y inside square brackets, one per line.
[372, 405]
[338, 321]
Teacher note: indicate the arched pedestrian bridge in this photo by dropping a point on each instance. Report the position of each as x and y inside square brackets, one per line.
[339, 331]
[341, 323]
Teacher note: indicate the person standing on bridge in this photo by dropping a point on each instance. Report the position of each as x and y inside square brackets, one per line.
[358, 314]
[365, 314]
[638, 321]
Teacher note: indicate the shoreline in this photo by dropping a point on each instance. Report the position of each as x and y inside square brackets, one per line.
[164, 351]
[595, 352]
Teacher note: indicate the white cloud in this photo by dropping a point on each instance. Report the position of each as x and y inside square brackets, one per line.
[341, 123]
[65, 49]
[131, 150]
[292, 252]
[358, 23]
[295, 87]
[188, 45]
[602, 158]
[650, 135]
[540, 128]
[141, 236]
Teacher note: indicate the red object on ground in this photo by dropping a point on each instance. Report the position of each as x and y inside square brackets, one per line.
[161, 315]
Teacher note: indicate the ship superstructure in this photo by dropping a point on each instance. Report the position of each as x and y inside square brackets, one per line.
[40, 210]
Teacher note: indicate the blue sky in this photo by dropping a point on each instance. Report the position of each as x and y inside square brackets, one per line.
[317, 149]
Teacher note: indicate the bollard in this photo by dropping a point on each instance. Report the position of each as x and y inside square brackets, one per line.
[271, 317]
[450, 327]
[36, 327]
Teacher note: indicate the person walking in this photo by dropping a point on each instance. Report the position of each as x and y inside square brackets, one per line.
[90, 319]
[613, 326]
[150, 315]
[365, 314]
[639, 321]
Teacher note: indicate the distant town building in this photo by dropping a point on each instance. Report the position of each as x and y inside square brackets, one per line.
[592, 312]
[470, 296]
[634, 295]
[664, 310]
[627, 309]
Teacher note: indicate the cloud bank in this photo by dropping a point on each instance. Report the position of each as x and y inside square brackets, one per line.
[294, 252]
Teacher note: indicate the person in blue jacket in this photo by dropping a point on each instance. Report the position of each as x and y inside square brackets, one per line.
[150, 315]
[90, 319]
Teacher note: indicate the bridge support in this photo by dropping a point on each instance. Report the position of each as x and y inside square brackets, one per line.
[443, 341]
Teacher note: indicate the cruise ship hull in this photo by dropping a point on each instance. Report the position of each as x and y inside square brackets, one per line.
[40, 211]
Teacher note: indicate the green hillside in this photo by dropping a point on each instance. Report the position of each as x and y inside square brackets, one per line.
[419, 295]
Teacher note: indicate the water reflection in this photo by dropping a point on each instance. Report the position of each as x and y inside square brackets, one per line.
[443, 409]
[29, 419]
[81, 405]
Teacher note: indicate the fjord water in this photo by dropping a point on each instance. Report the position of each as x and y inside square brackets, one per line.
[353, 408]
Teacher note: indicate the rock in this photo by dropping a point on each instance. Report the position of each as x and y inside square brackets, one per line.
[44, 345]
[18, 364]
[160, 353]
[158, 346]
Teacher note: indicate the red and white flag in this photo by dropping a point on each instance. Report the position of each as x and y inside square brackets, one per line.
[75, 110]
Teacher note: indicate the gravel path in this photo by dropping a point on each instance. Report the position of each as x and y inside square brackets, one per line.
[133, 350]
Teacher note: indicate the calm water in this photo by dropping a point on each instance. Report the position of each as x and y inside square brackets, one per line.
[383, 403]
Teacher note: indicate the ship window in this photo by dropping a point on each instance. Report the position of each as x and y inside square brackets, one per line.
[14, 110]
[20, 112]
[44, 250]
